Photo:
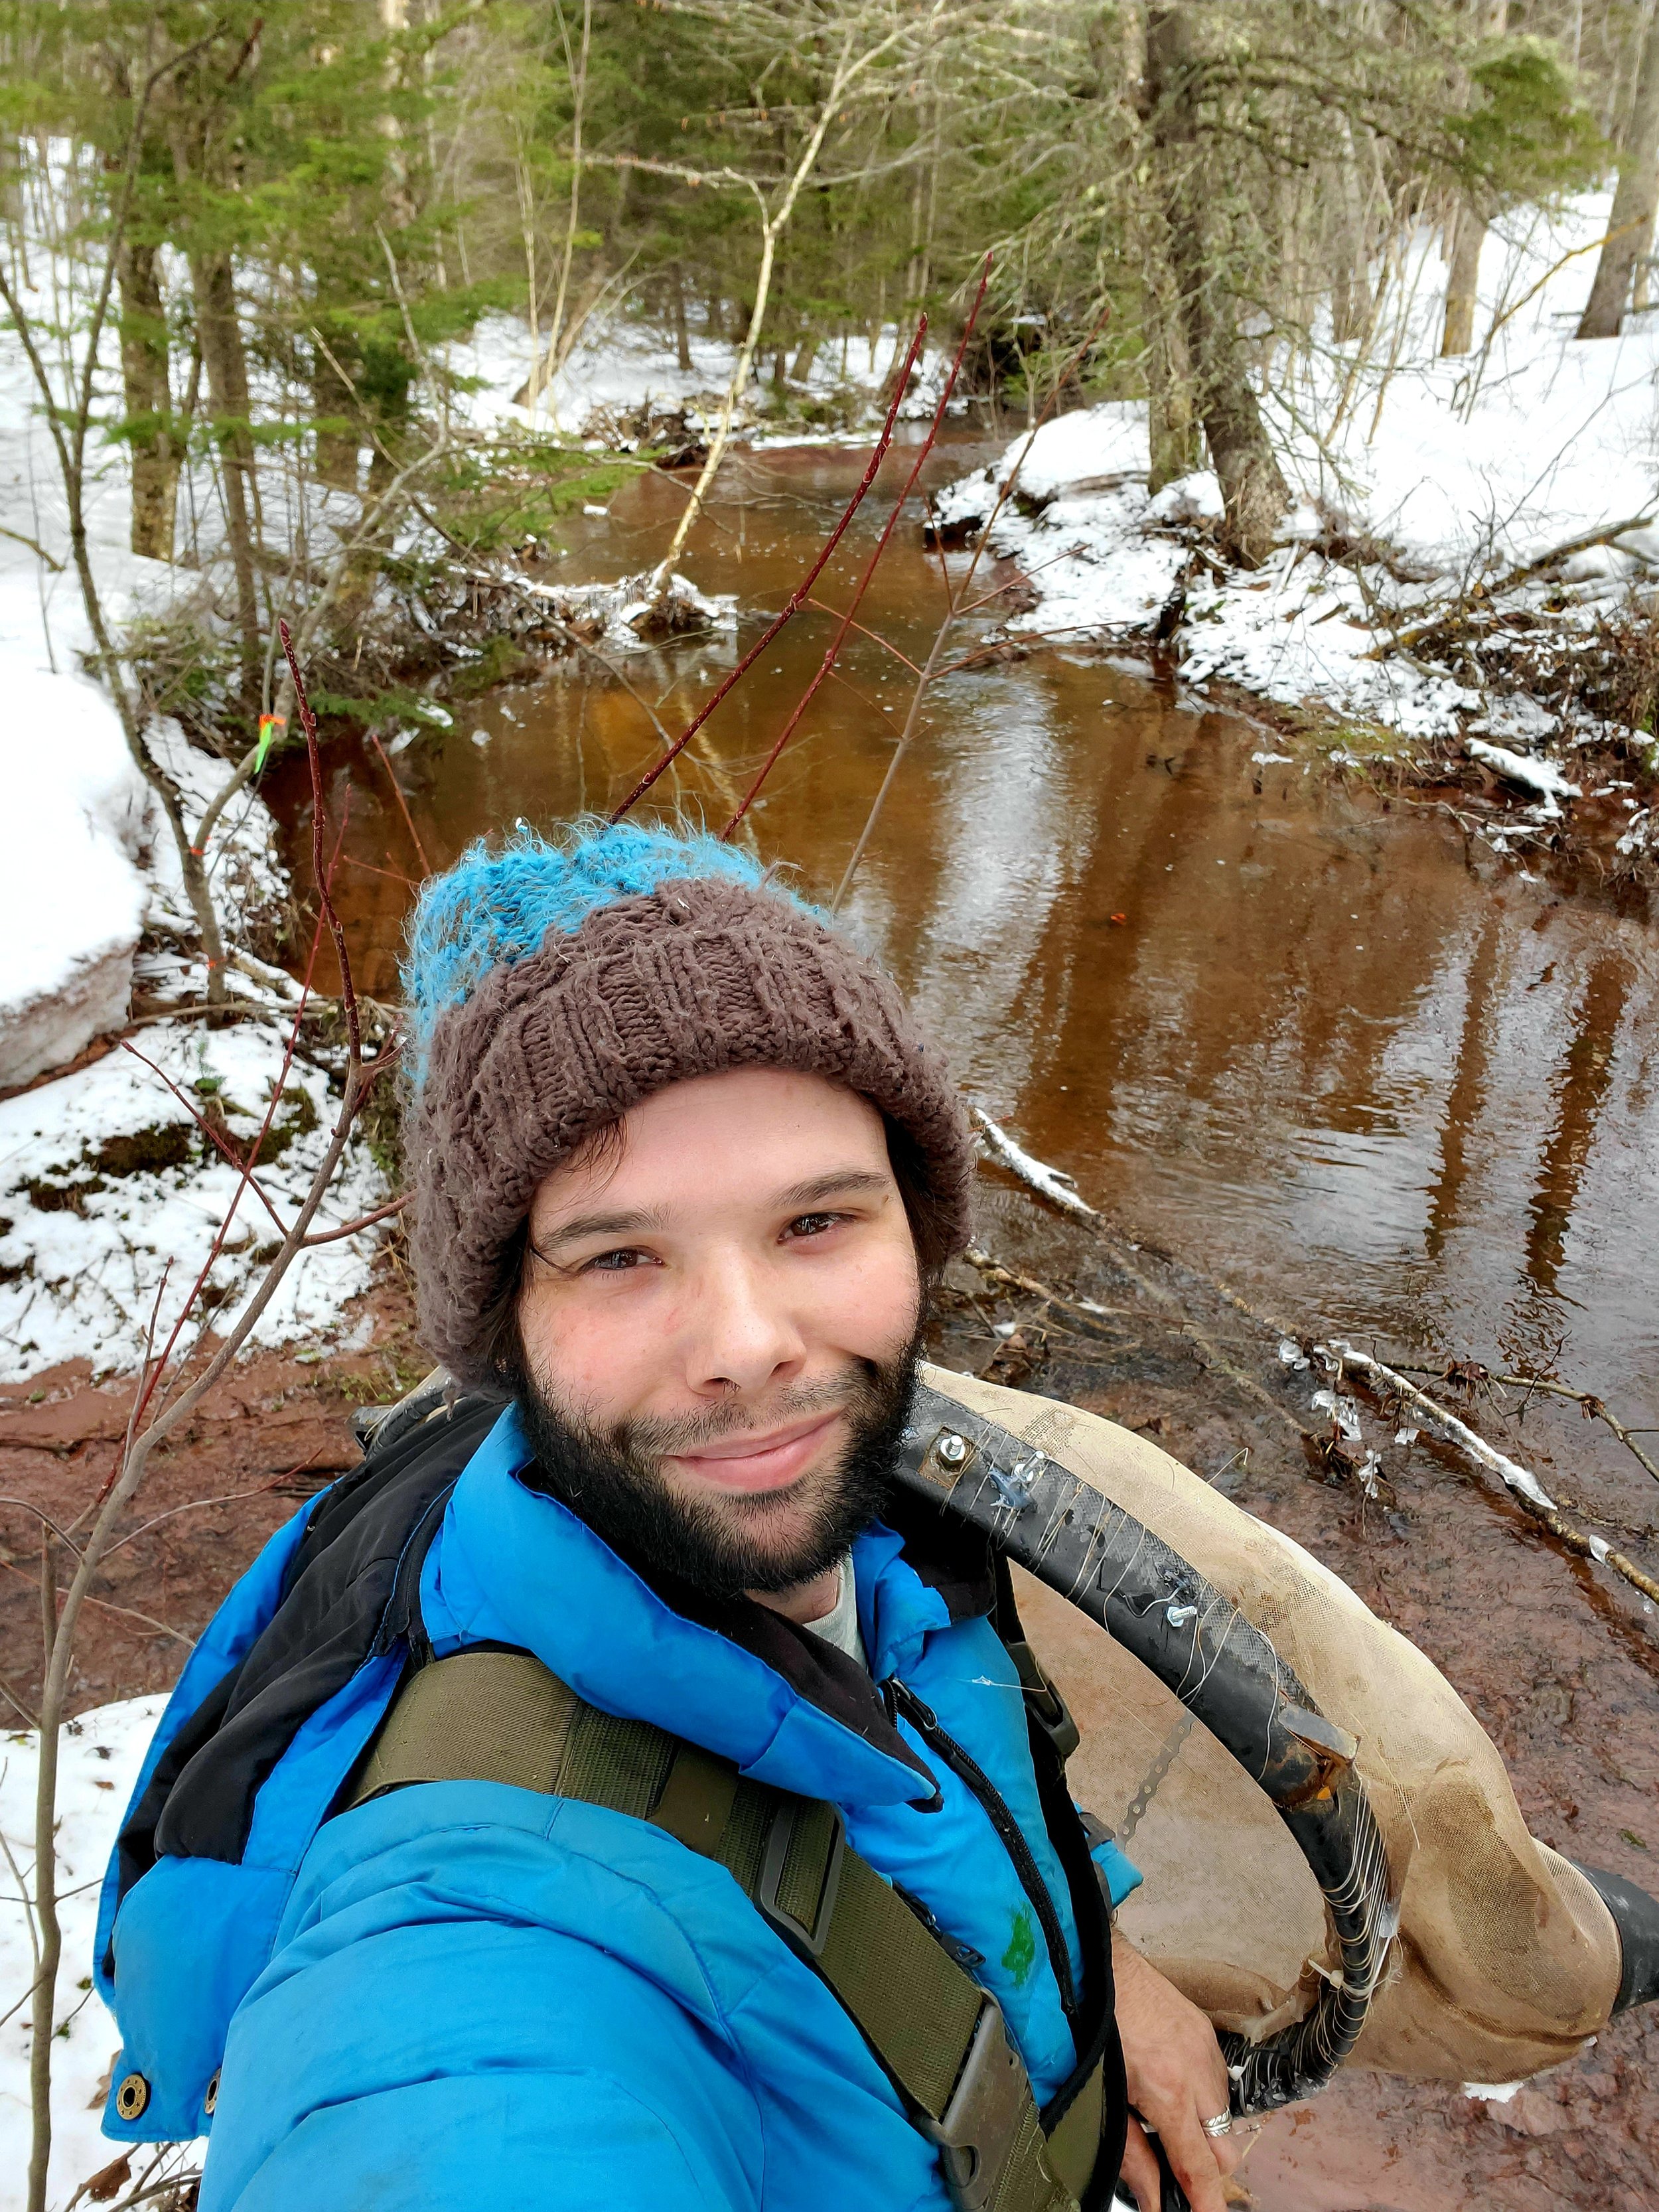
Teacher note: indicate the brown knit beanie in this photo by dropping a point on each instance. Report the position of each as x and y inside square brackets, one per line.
[552, 988]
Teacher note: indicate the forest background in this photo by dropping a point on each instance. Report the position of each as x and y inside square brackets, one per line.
[289, 212]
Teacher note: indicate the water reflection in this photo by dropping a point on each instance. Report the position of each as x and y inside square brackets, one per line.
[1581, 1088]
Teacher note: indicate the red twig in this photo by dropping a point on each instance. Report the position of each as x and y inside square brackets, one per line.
[363, 1221]
[954, 608]
[397, 788]
[153, 1375]
[798, 597]
[393, 875]
[864, 582]
[221, 1144]
[874, 636]
[313, 753]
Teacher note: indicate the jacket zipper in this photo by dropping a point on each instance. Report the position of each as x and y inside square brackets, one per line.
[902, 1699]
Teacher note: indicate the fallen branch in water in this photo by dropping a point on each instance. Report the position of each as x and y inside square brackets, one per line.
[1058, 1188]
[1051, 1183]
[1592, 1407]
[1054, 1185]
[999, 1275]
[1517, 1477]
[1524, 1486]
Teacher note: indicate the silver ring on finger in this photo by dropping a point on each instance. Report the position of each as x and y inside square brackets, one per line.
[1222, 2124]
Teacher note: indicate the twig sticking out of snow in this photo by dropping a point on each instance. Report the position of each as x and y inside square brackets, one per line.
[1051, 1183]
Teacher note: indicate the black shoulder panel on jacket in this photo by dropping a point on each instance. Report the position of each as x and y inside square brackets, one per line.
[343, 1601]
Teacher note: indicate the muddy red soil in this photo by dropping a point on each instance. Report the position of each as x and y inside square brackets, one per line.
[1556, 1659]
[276, 1431]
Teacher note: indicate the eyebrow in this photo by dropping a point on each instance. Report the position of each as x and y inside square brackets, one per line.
[838, 1182]
[600, 1225]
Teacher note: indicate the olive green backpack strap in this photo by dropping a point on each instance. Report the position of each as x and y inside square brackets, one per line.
[503, 1716]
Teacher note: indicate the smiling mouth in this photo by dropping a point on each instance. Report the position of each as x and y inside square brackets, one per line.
[744, 1465]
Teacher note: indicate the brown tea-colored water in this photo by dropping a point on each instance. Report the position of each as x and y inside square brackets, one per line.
[1270, 1021]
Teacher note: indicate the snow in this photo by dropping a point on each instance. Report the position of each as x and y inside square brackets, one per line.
[90, 1221]
[621, 364]
[77, 812]
[1068, 452]
[107, 1186]
[78, 823]
[99, 1758]
[1538, 776]
[1455, 471]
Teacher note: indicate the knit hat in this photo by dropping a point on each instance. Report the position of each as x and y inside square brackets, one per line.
[550, 987]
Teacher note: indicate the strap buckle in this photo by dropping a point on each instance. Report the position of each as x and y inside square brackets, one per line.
[808, 1941]
[982, 2124]
[1043, 1701]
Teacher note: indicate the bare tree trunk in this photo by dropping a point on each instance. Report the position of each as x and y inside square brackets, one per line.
[148, 396]
[1351, 288]
[220, 339]
[1174, 432]
[1253, 490]
[806, 354]
[1630, 230]
[1640, 298]
[1469, 230]
[1172, 425]
[1468, 234]
[682, 334]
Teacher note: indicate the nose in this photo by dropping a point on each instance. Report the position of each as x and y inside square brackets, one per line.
[741, 1333]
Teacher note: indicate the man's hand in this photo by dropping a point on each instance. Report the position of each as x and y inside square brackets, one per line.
[1177, 2079]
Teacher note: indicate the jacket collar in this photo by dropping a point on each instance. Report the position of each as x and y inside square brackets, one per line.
[513, 1565]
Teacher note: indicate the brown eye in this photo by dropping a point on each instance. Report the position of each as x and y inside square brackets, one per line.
[813, 1224]
[612, 1263]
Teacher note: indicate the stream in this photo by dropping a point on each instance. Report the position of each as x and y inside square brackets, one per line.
[1271, 1022]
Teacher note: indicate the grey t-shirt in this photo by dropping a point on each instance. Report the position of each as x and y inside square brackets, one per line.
[840, 1626]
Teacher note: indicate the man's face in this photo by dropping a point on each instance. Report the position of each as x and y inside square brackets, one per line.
[718, 1321]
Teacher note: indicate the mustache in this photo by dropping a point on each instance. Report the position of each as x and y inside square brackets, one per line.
[658, 1437]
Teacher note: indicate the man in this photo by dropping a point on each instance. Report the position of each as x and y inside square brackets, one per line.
[684, 1175]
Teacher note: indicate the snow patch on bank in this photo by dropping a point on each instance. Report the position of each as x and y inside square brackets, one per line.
[620, 366]
[99, 1755]
[77, 820]
[1438, 473]
[107, 1186]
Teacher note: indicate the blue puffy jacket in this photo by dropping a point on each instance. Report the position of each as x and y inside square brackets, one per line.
[467, 1995]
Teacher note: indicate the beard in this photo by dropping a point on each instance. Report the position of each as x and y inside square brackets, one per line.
[727, 1543]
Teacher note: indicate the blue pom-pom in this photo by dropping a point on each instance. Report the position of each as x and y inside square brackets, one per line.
[498, 902]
